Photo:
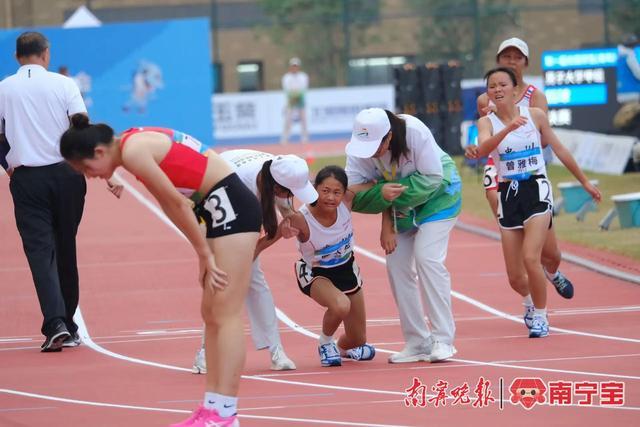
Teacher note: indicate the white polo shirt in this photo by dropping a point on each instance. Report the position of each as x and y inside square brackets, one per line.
[295, 82]
[35, 106]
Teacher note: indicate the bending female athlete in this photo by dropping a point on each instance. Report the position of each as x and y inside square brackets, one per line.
[169, 163]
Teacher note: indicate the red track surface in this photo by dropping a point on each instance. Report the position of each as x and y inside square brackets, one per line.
[139, 299]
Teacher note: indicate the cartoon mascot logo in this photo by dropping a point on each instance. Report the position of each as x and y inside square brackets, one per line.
[527, 392]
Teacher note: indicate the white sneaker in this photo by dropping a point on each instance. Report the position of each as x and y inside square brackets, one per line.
[199, 363]
[280, 361]
[441, 351]
[411, 354]
[528, 315]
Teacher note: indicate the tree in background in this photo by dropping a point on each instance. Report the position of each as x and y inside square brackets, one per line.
[461, 29]
[624, 17]
[320, 33]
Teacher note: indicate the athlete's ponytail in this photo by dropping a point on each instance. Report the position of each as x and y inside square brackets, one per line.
[81, 139]
[266, 193]
[398, 144]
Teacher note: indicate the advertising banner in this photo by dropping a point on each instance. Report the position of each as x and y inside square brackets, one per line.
[258, 117]
[134, 74]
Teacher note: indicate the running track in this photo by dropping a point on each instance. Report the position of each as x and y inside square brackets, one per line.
[140, 306]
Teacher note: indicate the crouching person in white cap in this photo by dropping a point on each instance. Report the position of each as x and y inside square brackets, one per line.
[396, 168]
[275, 180]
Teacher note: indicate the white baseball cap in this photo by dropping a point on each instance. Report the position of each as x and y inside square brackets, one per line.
[514, 42]
[292, 172]
[369, 128]
[295, 61]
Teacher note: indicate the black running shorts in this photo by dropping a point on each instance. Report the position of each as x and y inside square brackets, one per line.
[520, 200]
[345, 277]
[229, 208]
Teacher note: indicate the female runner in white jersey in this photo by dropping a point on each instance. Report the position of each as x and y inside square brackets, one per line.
[513, 53]
[328, 272]
[514, 136]
[274, 180]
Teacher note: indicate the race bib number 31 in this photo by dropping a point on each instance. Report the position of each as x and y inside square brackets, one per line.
[219, 205]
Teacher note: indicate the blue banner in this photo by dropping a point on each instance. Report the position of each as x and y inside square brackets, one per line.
[135, 74]
[576, 95]
[585, 58]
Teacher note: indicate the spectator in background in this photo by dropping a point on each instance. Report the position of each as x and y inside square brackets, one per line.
[295, 84]
[64, 70]
[48, 195]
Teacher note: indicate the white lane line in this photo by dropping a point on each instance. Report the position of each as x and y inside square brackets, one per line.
[158, 212]
[583, 262]
[38, 408]
[89, 403]
[86, 340]
[502, 314]
[283, 317]
[286, 319]
[606, 356]
[12, 340]
[534, 368]
[181, 411]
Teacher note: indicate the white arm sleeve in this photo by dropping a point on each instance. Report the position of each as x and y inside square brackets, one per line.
[358, 172]
[426, 151]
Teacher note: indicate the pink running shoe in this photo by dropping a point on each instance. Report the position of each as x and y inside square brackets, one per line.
[213, 419]
[193, 418]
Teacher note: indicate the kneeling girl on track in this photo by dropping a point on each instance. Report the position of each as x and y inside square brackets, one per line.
[169, 163]
[514, 136]
[328, 272]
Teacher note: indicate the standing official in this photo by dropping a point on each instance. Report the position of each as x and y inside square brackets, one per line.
[48, 195]
[295, 84]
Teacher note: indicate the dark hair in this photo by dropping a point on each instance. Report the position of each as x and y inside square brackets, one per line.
[398, 144]
[509, 71]
[81, 139]
[31, 43]
[331, 171]
[267, 186]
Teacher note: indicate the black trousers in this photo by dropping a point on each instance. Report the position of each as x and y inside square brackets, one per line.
[48, 204]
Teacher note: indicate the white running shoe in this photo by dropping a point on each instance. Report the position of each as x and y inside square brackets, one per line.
[528, 315]
[363, 352]
[411, 354]
[280, 361]
[441, 352]
[540, 326]
[329, 355]
[199, 363]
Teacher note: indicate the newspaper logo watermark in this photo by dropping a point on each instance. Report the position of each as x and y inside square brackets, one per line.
[526, 392]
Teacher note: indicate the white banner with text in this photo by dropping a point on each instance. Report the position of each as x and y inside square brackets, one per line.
[597, 152]
[252, 117]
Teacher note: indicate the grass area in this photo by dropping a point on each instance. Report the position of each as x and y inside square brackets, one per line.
[587, 233]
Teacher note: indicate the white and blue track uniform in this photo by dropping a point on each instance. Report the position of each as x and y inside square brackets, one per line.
[328, 252]
[523, 186]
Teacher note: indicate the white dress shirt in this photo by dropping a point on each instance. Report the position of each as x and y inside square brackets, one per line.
[35, 105]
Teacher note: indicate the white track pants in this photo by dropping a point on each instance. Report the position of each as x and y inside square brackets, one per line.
[417, 273]
[261, 310]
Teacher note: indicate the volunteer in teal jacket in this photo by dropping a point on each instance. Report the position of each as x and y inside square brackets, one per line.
[396, 168]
